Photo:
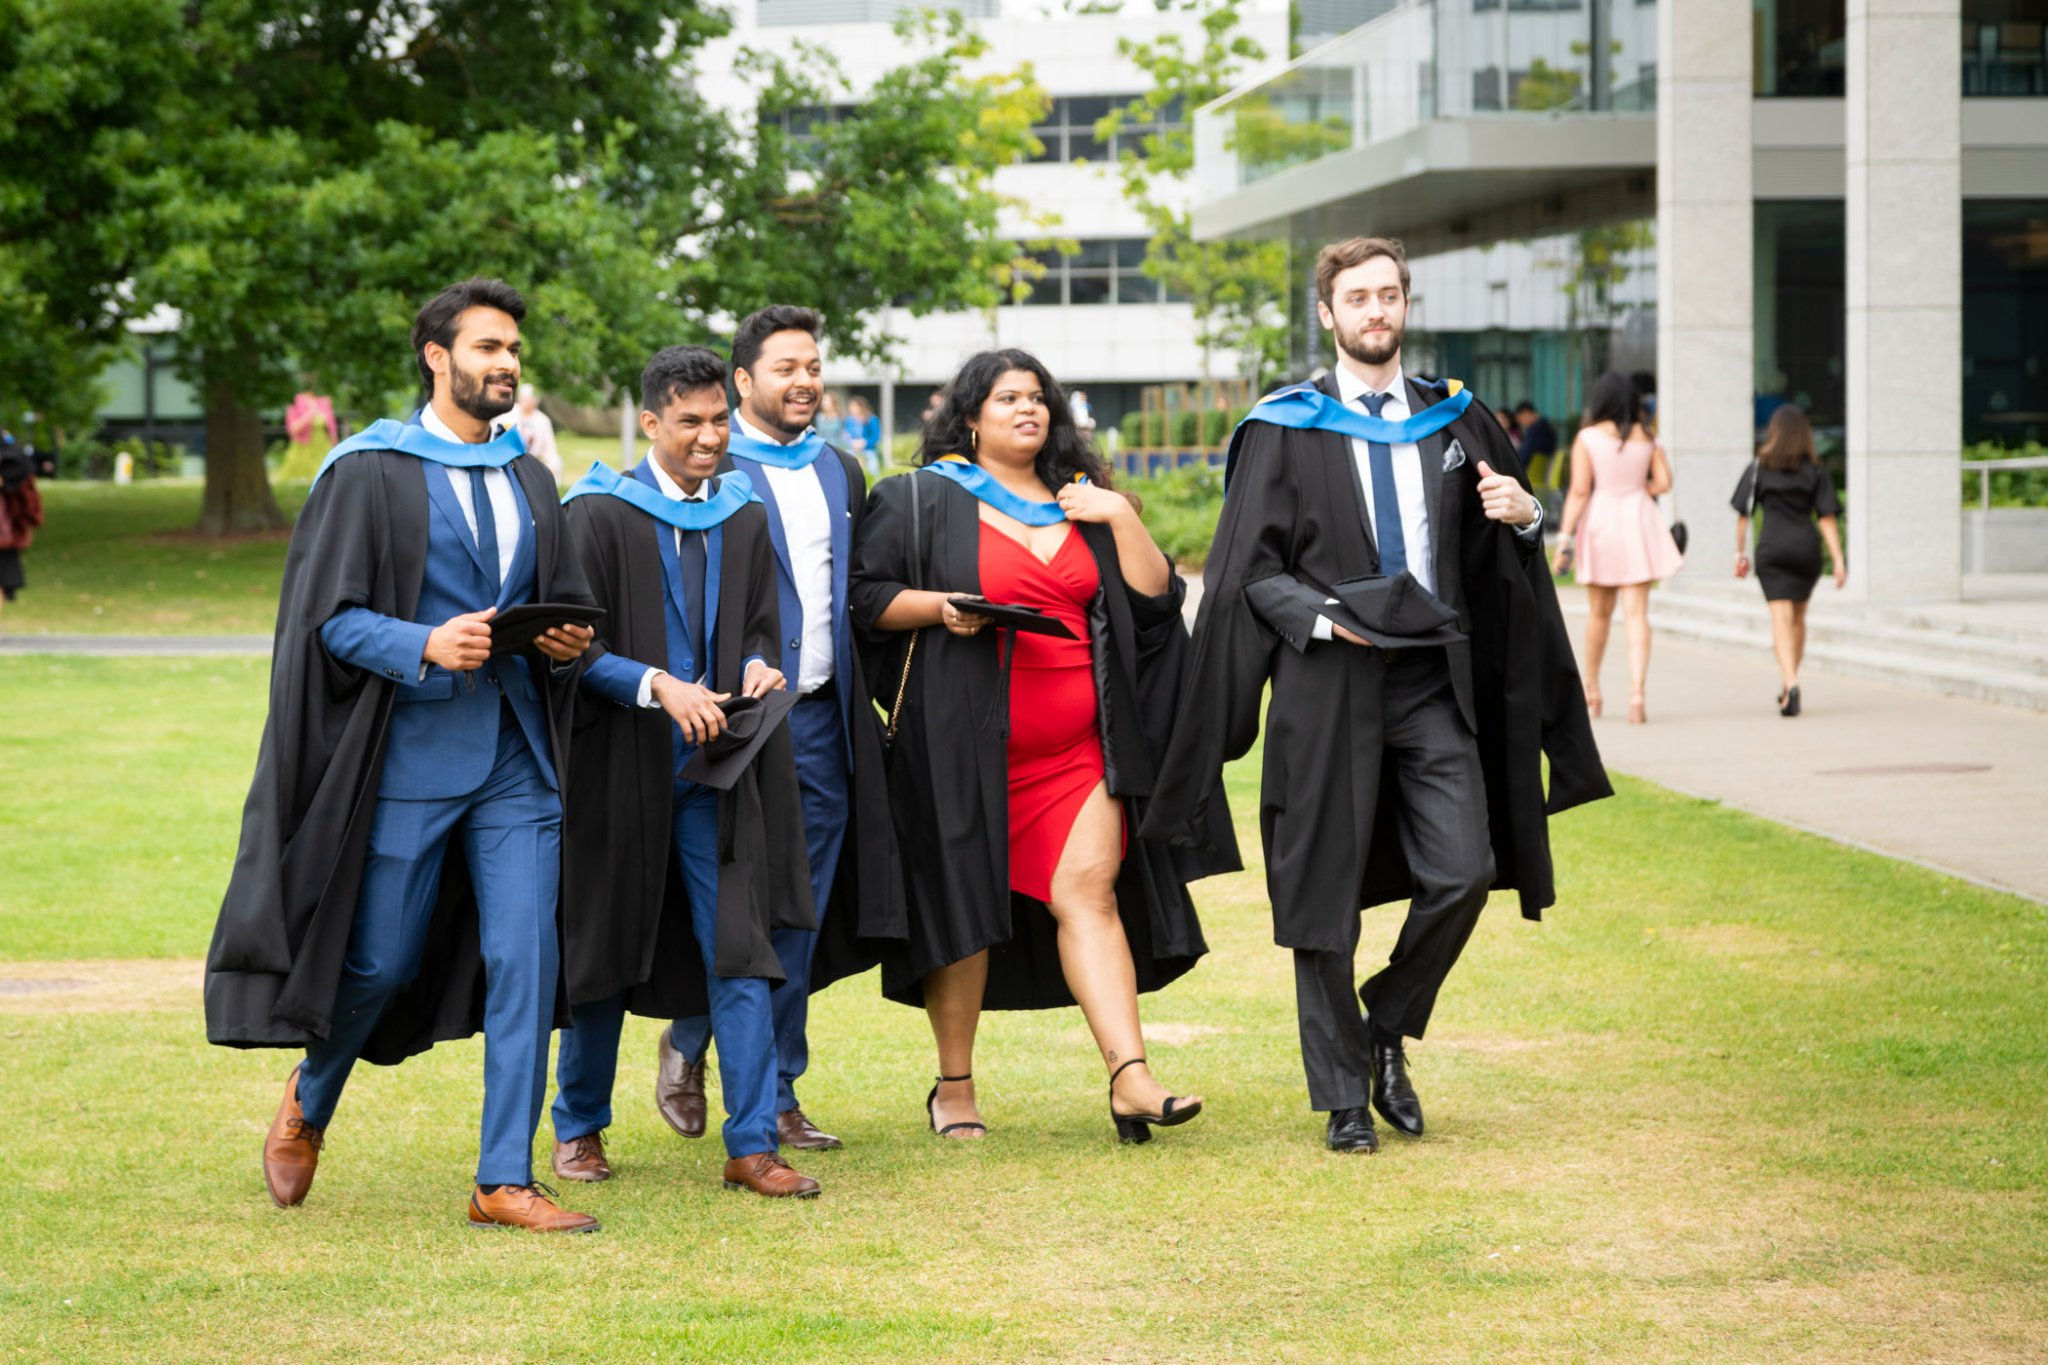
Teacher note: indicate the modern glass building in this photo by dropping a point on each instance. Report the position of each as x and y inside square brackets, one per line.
[1838, 203]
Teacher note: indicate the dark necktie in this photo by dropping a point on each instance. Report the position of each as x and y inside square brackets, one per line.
[691, 553]
[486, 528]
[1386, 503]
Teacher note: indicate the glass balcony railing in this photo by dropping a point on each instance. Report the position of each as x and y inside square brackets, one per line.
[1426, 60]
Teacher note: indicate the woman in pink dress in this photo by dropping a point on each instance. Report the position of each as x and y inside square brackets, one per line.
[1612, 534]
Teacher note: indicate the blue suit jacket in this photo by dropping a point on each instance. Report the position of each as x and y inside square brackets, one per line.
[444, 726]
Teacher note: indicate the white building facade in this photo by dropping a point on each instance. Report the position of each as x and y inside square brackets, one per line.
[1095, 319]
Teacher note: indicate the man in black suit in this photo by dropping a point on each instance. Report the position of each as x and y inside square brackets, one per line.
[1377, 561]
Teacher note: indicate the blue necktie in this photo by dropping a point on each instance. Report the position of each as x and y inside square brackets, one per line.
[1386, 503]
[486, 528]
[692, 557]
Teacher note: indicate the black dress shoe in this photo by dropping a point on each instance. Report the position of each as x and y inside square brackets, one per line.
[1351, 1130]
[1392, 1095]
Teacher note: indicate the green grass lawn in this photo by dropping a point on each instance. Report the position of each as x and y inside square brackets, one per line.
[123, 561]
[1745, 1095]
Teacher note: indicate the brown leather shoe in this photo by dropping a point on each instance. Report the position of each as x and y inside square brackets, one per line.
[799, 1132]
[582, 1159]
[679, 1089]
[767, 1173]
[525, 1206]
[291, 1149]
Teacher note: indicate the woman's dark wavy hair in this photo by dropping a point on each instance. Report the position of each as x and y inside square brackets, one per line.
[1614, 399]
[1066, 451]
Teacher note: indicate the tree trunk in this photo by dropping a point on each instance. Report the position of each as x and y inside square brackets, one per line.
[238, 497]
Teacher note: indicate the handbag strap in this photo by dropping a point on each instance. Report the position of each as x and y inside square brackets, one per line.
[916, 582]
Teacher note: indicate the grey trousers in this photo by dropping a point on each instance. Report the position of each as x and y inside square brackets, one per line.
[1442, 821]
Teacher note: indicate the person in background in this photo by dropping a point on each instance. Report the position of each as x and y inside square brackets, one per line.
[1507, 424]
[21, 511]
[537, 431]
[1084, 416]
[932, 406]
[1534, 434]
[1611, 534]
[830, 424]
[864, 434]
[1789, 483]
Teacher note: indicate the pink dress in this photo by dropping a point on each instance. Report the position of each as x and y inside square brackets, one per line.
[1622, 538]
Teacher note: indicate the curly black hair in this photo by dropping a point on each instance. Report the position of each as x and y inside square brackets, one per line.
[1066, 451]
[676, 370]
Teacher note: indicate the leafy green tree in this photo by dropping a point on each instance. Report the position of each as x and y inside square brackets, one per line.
[76, 78]
[1238, 289]
[293, 178]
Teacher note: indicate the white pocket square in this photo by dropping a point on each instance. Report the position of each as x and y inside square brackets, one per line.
[1454, 458]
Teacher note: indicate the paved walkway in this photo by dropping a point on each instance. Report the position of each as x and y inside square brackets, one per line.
[115, 646]
[1955, 784]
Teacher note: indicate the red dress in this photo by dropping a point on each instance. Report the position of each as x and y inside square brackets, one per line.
[1055, 747]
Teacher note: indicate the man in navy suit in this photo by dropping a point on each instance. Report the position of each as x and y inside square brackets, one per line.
[678, 881]
[813, 493]
[406, 763]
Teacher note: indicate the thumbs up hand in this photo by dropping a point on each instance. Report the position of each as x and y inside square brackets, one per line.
[1504, 499]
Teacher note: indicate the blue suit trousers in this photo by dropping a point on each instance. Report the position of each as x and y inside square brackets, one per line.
[510, 830]
[818, 733]
[741, 1016]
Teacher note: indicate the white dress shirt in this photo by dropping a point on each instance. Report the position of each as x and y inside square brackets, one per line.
[807, 531]
[497, 483]
[1409, 490]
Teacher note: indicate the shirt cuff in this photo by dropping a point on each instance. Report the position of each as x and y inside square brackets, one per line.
[1323, 629]
[646, 701]
[1534, 528]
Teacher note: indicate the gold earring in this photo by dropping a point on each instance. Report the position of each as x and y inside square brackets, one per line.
[973, 439]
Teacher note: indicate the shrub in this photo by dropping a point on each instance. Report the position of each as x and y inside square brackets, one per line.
[1180, 509]
[2009, 487]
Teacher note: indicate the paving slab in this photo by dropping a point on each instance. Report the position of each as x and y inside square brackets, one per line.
[1952, 783]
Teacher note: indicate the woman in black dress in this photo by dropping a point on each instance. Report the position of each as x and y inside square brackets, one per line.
[1790, 488]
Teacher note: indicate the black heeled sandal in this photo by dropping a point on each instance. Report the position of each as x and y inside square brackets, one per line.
[1138, 1127]
[933, 1119]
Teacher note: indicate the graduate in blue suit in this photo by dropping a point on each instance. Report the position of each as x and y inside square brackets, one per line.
[401, 844]
[681, 872]
[814, 495]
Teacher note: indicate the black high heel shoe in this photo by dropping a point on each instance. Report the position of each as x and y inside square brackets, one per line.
[933, 1119]
[1138, 1127]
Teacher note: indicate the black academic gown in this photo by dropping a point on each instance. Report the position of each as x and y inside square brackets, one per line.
[625, 913]
[865, 910]
[278, 946]
[1294, 506]
[948, 768]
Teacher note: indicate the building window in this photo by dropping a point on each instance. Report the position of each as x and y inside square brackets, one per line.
[1105, 270]
[1069, 128]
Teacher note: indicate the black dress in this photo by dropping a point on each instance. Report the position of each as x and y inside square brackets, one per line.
[1788, 546]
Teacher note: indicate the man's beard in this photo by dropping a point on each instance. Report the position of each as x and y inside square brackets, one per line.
[472, 397]
[1371, 350]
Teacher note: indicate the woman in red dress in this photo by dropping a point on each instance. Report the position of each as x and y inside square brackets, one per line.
[1020, 758]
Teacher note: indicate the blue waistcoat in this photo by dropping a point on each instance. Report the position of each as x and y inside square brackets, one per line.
[831, 476]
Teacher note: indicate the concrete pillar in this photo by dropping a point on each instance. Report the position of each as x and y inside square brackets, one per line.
[1705, 324]
[1904, 347]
